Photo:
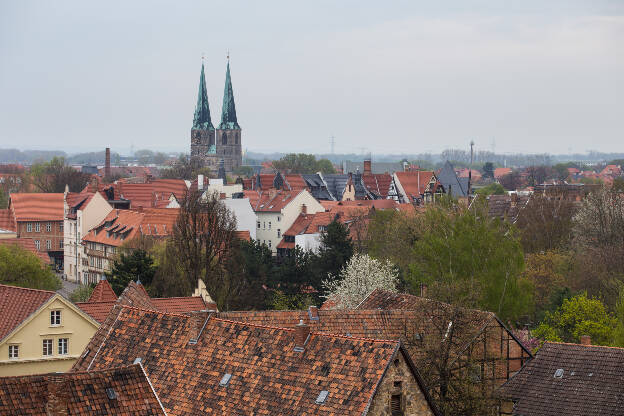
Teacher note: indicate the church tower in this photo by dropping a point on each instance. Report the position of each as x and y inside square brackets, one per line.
[228, 137]
[203, 132]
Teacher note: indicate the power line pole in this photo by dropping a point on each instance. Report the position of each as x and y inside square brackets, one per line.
[470, 169]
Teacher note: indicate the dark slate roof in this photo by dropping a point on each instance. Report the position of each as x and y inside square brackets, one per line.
[187, 358]
[84, 393]
[336, 184]
[592, 382]
[316, 186]
[448, 178]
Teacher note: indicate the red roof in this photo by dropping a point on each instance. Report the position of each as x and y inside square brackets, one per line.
[295, 182]
[180, 304]
[274, 201]
[103, 292]
[415, 184]
[17, 304]
[463, 173]
[37, 206]
[27, 244]
[266, 181]
[96, 310]
[155, 222]
[378, 183]
[7, 222]
[243, 235]
[500, 172]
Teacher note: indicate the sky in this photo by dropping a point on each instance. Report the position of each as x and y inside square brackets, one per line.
[380, 77]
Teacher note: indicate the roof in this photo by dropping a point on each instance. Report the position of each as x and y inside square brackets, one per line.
[103, 292]
[228, 109]
[377, 167]
[273, 201]
[7, 221]
[27, 244]
[37, 206]
[17, 304]
[378, 184]
[336, 184]
[187, 358]
[148, 194]
[295, 182]
[244, 235]
[591, 383]
[458, 187]
[122, 224]
[85, 393]
[500, 172]
[201, 119]
[316, 186]
[415, 184]
[506, 206]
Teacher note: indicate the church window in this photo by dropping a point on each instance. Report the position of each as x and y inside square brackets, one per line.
[224, 138]
[236, 138]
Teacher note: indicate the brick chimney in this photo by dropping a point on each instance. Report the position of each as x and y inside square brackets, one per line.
[56, 404]
[304, 209]
[301, 334]
[107, 170]
[585, 340]
[367, 167]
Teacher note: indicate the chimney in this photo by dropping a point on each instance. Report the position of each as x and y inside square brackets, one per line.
[301, 335]
[423, 290]
[585, 340]
[56, 404]
[107, 170]
[367, 167]
[200, 182]
[405, 166]
[304, 209]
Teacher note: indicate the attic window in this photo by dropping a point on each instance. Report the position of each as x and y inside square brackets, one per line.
[137, 360]
[322, 397]
[559, 373]
[111, 393]
[225, 380]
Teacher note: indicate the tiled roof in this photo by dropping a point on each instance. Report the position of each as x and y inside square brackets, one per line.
[273, 201]
[244, 235]
[155, 222]
[96, 310]
[179, 304]
[591, 382]
[378, 183]
[7, 222]
[27, 244]
[300, 225]
[267, 374]
[295, 182]
[506, 206]
[17, 304]
[103, 292]
[83, 393]
[451, 182]
[415, 184]
[37, 207]
[500, 172]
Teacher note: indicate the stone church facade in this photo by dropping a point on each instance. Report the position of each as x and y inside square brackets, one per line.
[211, 145]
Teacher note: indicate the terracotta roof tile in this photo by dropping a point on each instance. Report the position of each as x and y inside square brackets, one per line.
[7, 221]
[37, 207]
[378, 183]
[268, 376]
[179, 304]
[273, 201]
[27, 244]
[243, 235]
[590, 384]
[415, 184]
[295, 182]
[84, 393]
[96, 310]
[103, 292]
[500, 172]
[17, 304]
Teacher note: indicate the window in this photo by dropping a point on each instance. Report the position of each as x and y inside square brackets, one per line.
[61, 244]
[13, 351]
[279, 233]
[37, 227]
[258, 224]
[55, 318]
[63, 346]
[61, 227]
[269, 243]
[47, 347]
[279, 219]
[269, 225]
[224, 138]
[48, 245]
[37, 244]
[395, 405]
[263, 225]
[29, 227]
[49, 227]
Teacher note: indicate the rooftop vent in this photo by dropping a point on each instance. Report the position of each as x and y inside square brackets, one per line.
[137, 360]
[225, 380]
[559, 373]
[111, 393]
[322, 397]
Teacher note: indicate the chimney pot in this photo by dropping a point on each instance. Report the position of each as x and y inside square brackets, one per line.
[585, 340]
[301, 334]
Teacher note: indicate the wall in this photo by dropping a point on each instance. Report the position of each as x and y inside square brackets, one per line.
[400, 380]
[308, 242]
[245, 216]
[74, 326]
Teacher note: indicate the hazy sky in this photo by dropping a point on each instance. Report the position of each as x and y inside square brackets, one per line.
[380, 76]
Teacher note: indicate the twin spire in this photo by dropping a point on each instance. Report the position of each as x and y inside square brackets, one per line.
[202, 120]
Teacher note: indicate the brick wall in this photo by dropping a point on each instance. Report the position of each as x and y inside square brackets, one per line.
[55, 235]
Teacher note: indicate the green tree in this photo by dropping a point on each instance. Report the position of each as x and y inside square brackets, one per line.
[491, 189]
[136, 265]
[466, 258]
[52, 176]
[335, 251]
[578, 316]
[619, 313]
[81, 293]
[19, 267]
[488, 170]
[303, 163]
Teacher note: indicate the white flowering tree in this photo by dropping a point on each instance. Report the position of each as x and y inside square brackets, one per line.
[358, 278]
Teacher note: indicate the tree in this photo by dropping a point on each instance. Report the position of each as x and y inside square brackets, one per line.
[186, 168]
[488, 170]
[471, 260]
[81, 293]
[512, 181]
[135, 265]
[578, 316]
[52, 176]
[335, 251]
[547, 272]
[491, 189]
[303, 163]
[358, 278]
[19, 267]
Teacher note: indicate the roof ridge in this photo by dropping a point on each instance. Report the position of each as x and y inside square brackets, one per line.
[581, 345]
[154, 311]
[28, 288]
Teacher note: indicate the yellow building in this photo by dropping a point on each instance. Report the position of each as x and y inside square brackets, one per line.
[40, 331]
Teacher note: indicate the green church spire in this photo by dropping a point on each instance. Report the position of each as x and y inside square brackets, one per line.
[228, 112]
[202, 110]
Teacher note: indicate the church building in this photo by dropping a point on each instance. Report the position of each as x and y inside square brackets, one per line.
[212, 145]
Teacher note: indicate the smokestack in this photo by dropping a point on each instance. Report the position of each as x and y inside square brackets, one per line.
[301, 334]
[107, 166]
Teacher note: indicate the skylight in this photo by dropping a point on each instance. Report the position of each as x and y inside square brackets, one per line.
[225, 380]
[137, 360]
[322, 396]
[559, 373]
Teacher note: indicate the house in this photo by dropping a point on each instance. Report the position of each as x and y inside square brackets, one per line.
[567, 379]
[316, 186]
[82, 212]
[305, 232]
[101, 244]
[201, 364]
[418, 187]
[378, 184]
[455, 186]
[481, 342]
[103, 299]
[39, 216]
[40, 331]
[8, 227]
[345, 187]
[500, 172]
[115, 391]
[28, 245]
[144, 193]
[276, 211]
